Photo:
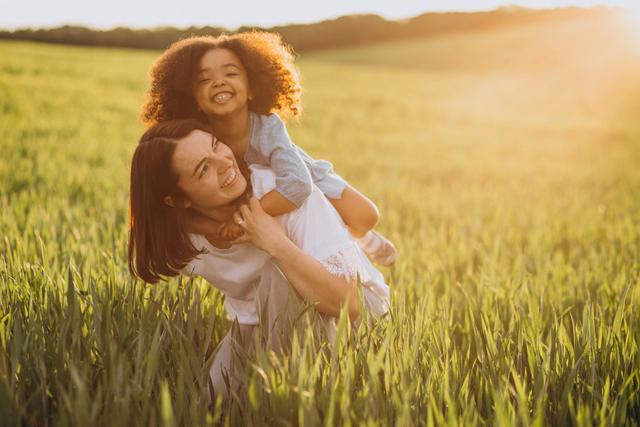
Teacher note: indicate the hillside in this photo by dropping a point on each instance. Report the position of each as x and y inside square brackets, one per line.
[343, 31]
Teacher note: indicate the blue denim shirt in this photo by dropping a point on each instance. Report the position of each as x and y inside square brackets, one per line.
[270, 145]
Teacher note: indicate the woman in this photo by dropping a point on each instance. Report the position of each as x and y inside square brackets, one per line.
[179, 168]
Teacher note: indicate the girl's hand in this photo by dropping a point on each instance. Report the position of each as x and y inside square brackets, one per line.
[200, 224]
[230, 231]
[260, 228]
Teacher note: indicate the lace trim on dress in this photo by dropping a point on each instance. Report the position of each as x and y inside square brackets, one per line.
[345, 264]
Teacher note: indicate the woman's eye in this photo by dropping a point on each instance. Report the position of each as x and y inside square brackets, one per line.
[231, 74]
[203, 170]
[214, 144]
[204, 81]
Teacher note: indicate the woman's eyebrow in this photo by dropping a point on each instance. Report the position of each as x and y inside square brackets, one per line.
[195, 170]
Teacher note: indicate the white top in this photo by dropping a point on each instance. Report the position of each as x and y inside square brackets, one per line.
[315, 227]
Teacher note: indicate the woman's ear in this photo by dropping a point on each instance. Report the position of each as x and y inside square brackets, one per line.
[168, 200]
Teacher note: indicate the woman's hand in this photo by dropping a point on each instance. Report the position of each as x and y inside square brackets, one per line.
[260, 228]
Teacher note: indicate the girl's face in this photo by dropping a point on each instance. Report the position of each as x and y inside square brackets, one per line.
[207, 172]
[221, 86]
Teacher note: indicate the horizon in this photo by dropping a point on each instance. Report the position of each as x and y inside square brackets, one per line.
[138, 16]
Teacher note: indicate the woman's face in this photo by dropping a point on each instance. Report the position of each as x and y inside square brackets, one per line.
[207, 172]
[221, 86]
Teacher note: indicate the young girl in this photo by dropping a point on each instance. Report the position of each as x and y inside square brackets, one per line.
[239, 84]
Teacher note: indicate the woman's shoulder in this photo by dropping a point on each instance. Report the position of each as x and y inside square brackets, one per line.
[194, 265]
[263, 179]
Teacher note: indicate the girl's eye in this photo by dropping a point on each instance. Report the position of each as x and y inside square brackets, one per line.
[214, 144]
[231, 74]
[202, 81]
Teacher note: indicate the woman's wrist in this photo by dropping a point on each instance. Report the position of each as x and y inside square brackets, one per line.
[284, 250]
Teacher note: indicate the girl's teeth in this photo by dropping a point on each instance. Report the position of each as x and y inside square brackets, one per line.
[222, 97]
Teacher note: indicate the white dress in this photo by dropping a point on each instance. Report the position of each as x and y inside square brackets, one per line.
[315, 227]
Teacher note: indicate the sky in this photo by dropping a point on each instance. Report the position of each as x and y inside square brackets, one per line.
[231, 14]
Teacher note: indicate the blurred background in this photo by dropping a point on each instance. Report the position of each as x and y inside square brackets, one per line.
[501, 142]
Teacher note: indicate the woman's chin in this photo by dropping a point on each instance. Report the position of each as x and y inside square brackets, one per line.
[239, 186]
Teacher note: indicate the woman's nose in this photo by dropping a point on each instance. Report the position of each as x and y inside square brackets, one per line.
[223, 162]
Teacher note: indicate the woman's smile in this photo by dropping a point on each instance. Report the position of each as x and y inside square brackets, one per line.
[231, 178]
[208, 174]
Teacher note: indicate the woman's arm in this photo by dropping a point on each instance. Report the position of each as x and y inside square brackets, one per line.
[306, 274]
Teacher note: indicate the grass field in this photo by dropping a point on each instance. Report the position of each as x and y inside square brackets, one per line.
[506, 167]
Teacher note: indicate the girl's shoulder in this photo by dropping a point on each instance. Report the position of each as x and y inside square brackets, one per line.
[266, 133]
[265, 122]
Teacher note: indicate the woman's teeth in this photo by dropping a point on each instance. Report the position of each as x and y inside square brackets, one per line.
[230, 179]
[223, 97]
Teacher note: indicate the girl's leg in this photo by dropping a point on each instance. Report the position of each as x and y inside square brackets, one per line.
[358, 212]
[361, 216]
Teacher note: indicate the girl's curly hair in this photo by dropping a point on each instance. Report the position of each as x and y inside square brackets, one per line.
[273, 77]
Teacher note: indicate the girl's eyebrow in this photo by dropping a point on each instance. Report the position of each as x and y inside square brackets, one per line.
[224, 66]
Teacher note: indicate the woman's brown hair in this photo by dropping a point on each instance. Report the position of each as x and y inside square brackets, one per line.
[158, 241]
[272, 74]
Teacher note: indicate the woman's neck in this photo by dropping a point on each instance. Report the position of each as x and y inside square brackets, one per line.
[220, 213]
[233, 130]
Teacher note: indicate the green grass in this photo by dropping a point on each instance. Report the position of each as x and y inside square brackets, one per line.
[505, 165]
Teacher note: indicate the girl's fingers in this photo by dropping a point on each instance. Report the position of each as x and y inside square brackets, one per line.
[242, 239]
[246, 212]
[238, 218]
[255, 205]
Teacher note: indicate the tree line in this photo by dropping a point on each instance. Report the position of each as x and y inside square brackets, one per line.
[344, 31]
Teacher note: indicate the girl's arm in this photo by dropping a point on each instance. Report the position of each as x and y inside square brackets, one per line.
[275, 204]
[271, 145]
[295, 170]
[306, 274]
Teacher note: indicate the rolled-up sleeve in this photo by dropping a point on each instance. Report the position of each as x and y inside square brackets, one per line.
[273, 147]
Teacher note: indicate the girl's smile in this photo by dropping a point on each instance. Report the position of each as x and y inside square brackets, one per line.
[222, 97]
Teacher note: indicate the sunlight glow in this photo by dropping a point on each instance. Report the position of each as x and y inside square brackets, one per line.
[631, 21]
